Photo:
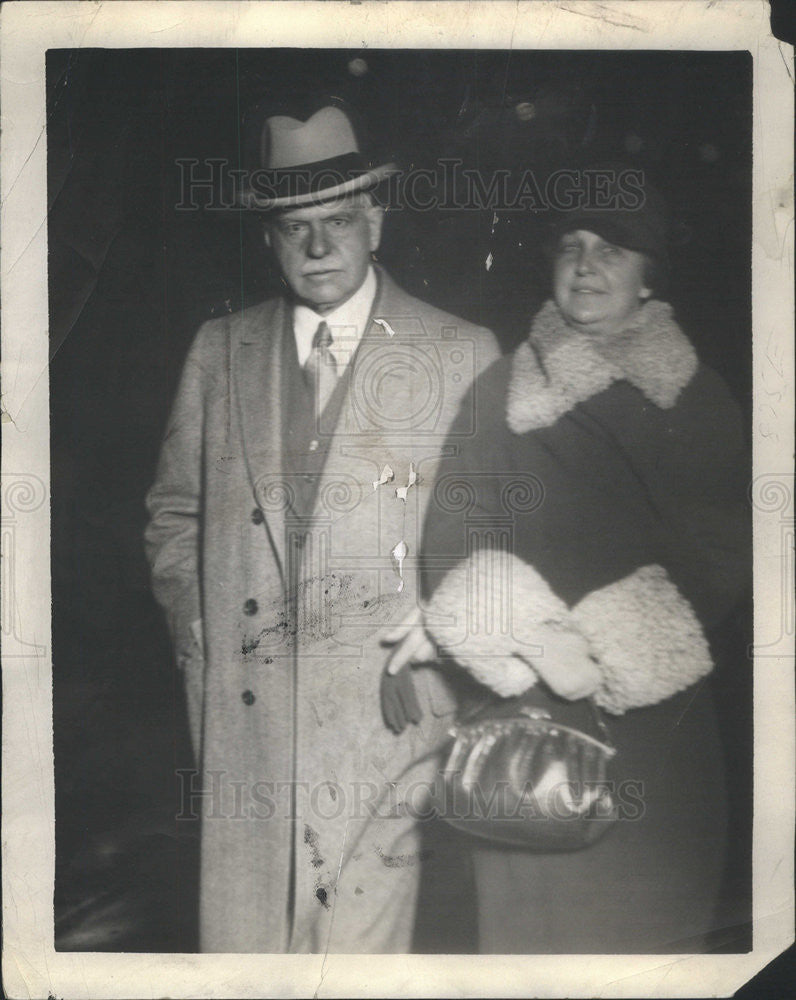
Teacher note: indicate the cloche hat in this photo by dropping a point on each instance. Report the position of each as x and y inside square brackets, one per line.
[625, 209]
[631, 215]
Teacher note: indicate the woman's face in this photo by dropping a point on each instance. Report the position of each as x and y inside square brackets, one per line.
[597, 285]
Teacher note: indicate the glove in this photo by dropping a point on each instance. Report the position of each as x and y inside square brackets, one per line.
[399, 704]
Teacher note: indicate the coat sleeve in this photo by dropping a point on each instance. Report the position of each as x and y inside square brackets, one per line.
[701, 484]
[646, 627]
[172, 535]
[462, 488]
[650, 630]
[494, 614]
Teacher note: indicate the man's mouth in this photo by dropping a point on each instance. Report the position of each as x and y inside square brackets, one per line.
[320, 274]
[584, 290]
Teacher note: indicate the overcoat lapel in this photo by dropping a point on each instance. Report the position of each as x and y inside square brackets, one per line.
[378, 396]
[257, 373]
[381, 385]
[377, 426]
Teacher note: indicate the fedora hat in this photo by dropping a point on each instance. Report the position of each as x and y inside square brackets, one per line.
[307, 162]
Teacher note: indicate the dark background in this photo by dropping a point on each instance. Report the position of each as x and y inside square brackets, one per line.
[132, 277]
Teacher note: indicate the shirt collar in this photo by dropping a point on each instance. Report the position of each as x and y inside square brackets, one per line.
[347, 323]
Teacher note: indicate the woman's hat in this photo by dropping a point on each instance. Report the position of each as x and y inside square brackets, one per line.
[621, 205]
[307, 162]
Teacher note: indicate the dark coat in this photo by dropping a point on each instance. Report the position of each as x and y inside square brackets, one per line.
[627, 521]
[283, 685]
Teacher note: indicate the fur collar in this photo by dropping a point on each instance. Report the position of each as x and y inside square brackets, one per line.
[556, 368]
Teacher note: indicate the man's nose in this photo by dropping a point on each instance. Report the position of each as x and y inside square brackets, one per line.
[318, 245]
[585, 263]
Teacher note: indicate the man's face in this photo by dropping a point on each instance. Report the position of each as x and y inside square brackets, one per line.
[324, 250]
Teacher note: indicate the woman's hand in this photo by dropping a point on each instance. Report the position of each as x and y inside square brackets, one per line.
[567, 666]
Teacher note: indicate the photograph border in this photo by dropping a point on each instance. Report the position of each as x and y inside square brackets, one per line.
[31, 966]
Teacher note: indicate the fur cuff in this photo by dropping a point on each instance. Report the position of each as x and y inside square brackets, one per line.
[489, 611]
[647, 638]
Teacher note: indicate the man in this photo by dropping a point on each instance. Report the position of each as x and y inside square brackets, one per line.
[302, 449]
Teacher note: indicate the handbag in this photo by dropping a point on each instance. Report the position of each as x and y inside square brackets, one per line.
[527, 772]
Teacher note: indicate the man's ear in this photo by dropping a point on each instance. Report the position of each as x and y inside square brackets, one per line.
[375, 216]
[267, 235]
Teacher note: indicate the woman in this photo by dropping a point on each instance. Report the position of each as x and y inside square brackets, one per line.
[629, 543]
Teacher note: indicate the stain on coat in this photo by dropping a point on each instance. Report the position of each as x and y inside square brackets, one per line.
[404, 860]
[311, 840]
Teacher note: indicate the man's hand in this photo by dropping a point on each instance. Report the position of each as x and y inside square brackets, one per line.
[567, 666]
[399, 704]
[411, 645]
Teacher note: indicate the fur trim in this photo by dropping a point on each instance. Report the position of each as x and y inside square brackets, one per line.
[493, 612]
[557, 367]
[647, 638]
[489, 611]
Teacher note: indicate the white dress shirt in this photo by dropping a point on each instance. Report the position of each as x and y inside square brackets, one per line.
[347, 324]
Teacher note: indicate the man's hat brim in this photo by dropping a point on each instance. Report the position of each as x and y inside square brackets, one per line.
[263, 202]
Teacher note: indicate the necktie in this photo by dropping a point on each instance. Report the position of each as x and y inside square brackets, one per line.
[321, 366]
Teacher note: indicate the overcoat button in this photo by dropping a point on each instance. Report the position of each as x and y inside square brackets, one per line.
[313, 445]
[250, 607]
[257, 516]
[248, 697]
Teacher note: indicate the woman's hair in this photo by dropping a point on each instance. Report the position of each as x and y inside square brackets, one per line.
[656, 276]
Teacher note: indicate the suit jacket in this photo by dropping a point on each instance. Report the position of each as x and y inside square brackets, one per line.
[300, 851]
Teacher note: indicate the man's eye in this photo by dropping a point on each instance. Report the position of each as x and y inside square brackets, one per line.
[567, 248]
[338, 223]
[609, 250]
[291, 230]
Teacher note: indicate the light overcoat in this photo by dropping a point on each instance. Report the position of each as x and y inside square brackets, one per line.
[309, 803]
